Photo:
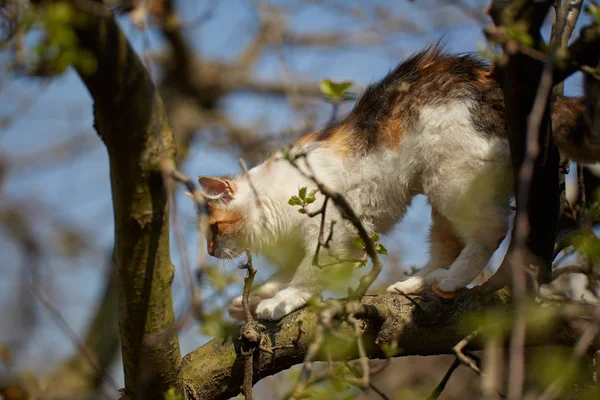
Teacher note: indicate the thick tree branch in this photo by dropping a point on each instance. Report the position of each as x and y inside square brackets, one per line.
[519, 77]
[130, 118]
[215, 370]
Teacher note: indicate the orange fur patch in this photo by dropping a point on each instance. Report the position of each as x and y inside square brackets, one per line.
[306, 139]
[392, 132]
[228, 220]
[340, 140]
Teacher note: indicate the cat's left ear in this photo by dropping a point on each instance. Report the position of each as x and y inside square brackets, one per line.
[225, 189]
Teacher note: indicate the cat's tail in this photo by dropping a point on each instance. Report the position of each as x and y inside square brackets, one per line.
[576, 124]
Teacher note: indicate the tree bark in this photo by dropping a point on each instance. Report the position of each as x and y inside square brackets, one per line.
[130, 118]
[215, 370]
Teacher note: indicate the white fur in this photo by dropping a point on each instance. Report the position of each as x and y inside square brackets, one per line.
[464, 174]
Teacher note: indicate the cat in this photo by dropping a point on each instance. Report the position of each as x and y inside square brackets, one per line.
[434, 126]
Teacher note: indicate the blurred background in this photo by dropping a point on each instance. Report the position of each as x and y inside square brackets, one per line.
[239, 78]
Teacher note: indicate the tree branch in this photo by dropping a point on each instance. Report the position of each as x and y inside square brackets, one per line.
[215, 370]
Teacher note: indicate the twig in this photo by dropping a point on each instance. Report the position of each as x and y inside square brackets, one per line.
[348, 214]
[250, 330]
[248, 280]
[252, 187]
[409, 298]
[570, 9]
[170, 173]
[379, 391]
[490, 381]
[442, 385]
[522, 228]
[311, 353]
[371, 385]
[581, 198]
[101, 373]
[335, 107]
[581, 347]
[460, 355]
[364, 382]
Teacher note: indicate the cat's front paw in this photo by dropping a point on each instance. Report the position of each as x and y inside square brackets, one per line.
[411, 285]
[283, 303]
[445, 281]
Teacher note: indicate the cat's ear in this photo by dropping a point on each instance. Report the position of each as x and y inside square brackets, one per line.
[223, 188]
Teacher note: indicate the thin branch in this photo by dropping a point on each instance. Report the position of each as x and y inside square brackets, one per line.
[490, 381]
[254, 191]
[442, 385]
[409, 298]
[170, 174]
[347, 213]
[460, 354]
[364, 382]
[250, 331]
[81, 346]
[580, 349]
[522, 228]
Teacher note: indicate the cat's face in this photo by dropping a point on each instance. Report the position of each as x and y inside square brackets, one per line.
[227, 218]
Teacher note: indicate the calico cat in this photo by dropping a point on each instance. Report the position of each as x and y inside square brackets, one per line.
[433, 126]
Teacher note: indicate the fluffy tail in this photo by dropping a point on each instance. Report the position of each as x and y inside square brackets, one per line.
[576, 124]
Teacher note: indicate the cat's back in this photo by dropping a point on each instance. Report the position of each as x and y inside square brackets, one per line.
[428, 83]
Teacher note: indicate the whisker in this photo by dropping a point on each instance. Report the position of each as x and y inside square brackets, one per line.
[233, 257]
[191, 219]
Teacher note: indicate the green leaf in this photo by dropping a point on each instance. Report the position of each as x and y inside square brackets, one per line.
[311, 196]
[302, 193]
[295, 201]
[334, 90]
[375, 238]
[519, 32]
[381, 249]
[171, 395]
[357, 241]
[285, 151]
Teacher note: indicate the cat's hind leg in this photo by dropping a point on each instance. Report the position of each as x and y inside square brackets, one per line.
[444, 247]
[482, 233]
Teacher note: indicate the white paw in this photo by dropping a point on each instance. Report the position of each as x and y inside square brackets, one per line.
[283, 303]
[445, 281]
[413, 284]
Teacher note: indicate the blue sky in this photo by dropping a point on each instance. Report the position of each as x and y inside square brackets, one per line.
[79, 190]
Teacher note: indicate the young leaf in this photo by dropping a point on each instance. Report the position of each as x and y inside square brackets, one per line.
[302, 193]
[334, 90]
[357, 241]
[171, 395]
[381, 249]
[295, 201]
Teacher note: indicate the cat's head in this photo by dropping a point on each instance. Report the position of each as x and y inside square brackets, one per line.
[228, 236]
